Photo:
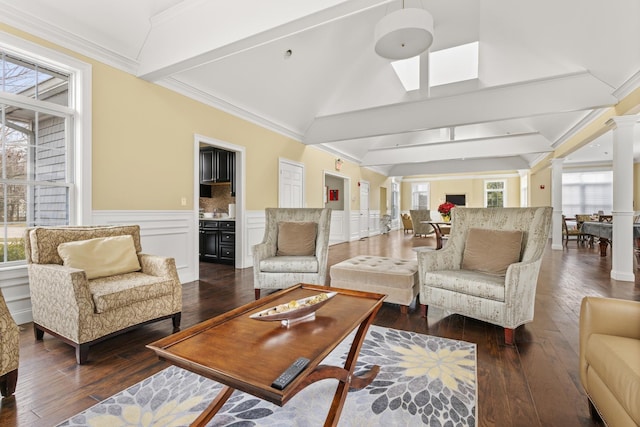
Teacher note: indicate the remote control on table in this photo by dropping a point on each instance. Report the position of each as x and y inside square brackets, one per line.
[290, 373]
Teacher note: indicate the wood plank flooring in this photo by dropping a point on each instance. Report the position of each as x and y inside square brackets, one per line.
[535, 383]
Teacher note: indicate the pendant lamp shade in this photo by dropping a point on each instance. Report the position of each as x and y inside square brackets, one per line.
[404, 33]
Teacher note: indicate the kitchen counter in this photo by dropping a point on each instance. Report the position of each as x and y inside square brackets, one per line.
[217, 219]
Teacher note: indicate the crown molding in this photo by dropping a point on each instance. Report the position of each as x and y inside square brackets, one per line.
[627, 87]
[40, 28]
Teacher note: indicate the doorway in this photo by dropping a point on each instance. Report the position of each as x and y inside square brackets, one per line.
[336, 195]
[239, 184]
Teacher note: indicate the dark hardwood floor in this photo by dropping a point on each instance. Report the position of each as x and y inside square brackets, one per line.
[535, 383]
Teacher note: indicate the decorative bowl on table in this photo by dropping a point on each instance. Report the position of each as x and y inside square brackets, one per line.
[296, 310]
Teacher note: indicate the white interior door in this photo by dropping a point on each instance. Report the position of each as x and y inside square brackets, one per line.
[291, 185]
[364, 209]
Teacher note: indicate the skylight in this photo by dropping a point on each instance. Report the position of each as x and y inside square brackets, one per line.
[408, 71]
[450, 65]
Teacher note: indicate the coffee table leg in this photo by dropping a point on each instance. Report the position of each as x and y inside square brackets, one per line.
[213, 407]
[349, 366]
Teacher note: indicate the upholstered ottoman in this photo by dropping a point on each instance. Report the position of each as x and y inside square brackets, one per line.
[397, 278]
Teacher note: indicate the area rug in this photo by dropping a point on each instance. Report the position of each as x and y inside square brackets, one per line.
[423, 380]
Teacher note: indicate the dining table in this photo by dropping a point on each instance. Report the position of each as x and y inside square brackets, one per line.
[604, 232]
[437, 228]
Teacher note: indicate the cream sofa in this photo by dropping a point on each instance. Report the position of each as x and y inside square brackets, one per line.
[83, 311]
[610, 359]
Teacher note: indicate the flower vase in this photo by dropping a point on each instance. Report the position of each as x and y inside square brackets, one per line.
[446, 218]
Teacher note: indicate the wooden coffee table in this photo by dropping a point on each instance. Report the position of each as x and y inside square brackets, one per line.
[247, 354]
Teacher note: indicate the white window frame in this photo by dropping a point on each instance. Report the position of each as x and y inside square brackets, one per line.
[415, 193]
[492, 190]
[79, 119]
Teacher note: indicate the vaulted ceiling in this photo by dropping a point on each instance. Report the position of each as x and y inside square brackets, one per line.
[545, 69]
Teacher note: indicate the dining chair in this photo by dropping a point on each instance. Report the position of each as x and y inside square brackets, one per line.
[570, 231]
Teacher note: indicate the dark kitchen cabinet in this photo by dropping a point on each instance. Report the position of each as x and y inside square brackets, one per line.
[218, 241]
[216, 165]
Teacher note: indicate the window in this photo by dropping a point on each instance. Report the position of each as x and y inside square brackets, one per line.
[420, 195]
[494, 194]
[395, 200]
[41, 137]
[587, 192]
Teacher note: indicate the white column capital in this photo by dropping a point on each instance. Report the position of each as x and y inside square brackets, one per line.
[622, 121]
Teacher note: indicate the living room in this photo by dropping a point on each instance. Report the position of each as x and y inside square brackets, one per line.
[136, 139]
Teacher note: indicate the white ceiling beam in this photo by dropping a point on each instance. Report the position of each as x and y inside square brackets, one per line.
[459, 166]
[509, 145]
[573, 92]
[204, 31]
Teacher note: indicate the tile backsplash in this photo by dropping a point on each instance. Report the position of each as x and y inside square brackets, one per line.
[220, 199]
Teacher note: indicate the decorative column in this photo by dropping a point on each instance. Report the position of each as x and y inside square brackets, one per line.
[524, 187]
[622, 261]
[556, 202]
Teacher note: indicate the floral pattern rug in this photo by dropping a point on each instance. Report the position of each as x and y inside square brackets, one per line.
[423, 380]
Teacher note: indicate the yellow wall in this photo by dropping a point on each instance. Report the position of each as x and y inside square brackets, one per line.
[473, 187]
[143, 146]
[540, 196]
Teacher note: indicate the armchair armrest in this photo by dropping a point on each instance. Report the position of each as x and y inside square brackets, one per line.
[606, 316]
[444, 259]
[520, 291]
[159, 266]
[59, 286]
[262, 251]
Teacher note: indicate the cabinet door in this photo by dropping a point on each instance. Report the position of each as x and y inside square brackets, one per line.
[222, 166]
[207, 163]
[210, 245]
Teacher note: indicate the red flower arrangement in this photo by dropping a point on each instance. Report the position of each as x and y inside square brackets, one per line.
[445, 208]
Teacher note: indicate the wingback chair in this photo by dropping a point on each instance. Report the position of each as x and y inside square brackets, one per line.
[489, 268]
[90, 283]
[9, 348]
[294, 249]
[418, 215]
[407, 224]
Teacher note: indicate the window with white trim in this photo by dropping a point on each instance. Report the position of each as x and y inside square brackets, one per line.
[585, 193]
[36, 149]
[495, 194]
[420, 195]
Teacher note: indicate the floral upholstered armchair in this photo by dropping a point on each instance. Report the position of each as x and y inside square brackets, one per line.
[489, 269]
[294, 249]
[9, 348]
[90, 283]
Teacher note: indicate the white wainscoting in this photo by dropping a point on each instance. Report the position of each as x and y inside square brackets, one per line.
[337, 231]
[14, 282]
[167, 233]
[256, 221]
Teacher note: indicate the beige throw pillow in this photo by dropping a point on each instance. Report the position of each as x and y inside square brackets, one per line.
[101, 257]
[491, 251]
[297, 238]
